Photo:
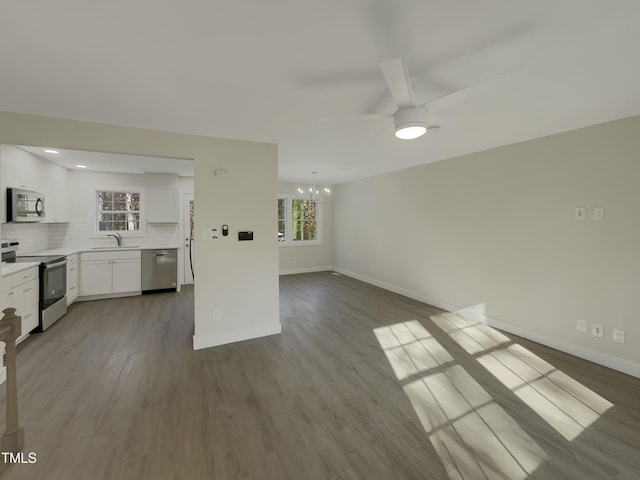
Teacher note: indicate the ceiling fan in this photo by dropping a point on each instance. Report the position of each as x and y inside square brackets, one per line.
[410, 118]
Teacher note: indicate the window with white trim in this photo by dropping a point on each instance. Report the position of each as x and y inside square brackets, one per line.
[299, 221]
[118, 211]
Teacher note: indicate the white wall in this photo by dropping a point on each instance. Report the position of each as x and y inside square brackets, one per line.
[308, 258]
[236, 292]
[80, 231]
[497, 228]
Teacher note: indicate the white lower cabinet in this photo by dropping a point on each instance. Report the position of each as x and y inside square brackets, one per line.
[21, 290]
[103, 273]
[72, 278]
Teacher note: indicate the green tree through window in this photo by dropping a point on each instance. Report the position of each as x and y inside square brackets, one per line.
[119, 211]
[305, 225]
[298, 221]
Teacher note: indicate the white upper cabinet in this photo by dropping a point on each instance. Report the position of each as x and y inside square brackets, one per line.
[57, 196]
[20, 169]
[161, 205]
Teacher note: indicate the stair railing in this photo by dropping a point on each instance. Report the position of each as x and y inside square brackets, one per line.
[10, 330]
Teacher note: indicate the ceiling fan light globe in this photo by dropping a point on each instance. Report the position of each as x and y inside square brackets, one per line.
[410, 123]
[410, 132]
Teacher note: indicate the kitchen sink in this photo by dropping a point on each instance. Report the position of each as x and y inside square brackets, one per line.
[123, 247]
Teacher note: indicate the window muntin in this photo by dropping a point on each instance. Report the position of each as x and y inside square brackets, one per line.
[304, 218]
[117, 211]
[299, 221]
[282, 219]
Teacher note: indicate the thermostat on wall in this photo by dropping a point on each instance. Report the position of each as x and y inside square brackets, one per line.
[245, 235]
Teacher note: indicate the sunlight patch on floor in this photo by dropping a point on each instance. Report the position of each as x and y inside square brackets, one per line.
[474, 336]
[411, 349]
[474, 437]
[565, 404]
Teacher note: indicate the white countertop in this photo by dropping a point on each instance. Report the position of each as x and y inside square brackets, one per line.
[72, 250]
[9, 268]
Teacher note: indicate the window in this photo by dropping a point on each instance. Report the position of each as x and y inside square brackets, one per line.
[117, 211]
[298, 221]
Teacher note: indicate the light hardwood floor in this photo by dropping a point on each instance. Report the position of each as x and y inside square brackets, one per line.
[362, 384]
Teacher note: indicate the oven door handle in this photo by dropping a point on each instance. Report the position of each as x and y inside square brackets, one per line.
[57, 264]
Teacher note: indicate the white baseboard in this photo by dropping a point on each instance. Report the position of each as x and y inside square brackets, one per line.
[293, 271]
[200, 342]
[399, 290]
[615, 363]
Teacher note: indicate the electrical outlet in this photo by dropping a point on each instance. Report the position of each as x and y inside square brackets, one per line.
[618, 336]
[580, 213]
[597, 330]
[581, 326]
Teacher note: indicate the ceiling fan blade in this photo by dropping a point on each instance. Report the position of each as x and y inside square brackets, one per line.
[375, 116]
[376, 135]
[397, 77]
[451, 99]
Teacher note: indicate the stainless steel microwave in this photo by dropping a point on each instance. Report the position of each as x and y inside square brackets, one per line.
[24, 205]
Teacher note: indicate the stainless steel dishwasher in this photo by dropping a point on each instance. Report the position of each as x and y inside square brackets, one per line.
[159, 270]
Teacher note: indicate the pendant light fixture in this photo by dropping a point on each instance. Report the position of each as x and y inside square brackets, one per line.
[314, 192]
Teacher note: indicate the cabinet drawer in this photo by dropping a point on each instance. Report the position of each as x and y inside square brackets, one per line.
[72, 293]
[26, 295]
[72, 272]
[109, 255]
[25, 276]
[5, 283]
[30, 319]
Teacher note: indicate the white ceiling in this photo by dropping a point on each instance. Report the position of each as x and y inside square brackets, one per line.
[111, 162]
[267, 70]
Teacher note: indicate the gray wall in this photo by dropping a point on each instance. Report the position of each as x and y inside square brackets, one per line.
[497, 229]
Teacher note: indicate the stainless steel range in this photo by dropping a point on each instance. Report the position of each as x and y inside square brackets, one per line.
[53, 281]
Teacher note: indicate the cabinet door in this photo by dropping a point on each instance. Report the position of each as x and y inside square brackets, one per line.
[57, 201]
[25, 300]
[126, 275]
[95, 277]
[6, 300]
[72, 278]
[161, 205]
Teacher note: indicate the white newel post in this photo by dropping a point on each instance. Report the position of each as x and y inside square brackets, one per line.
[10, 329]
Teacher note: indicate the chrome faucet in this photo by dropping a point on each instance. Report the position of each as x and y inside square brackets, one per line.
[117, 237]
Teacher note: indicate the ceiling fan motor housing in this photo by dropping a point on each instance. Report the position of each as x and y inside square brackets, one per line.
[406, 118]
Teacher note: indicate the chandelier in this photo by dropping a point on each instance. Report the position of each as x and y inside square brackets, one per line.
[314, 193]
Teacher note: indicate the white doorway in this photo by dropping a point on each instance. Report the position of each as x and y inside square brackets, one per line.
[189, 246]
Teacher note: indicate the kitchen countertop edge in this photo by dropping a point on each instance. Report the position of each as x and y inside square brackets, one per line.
[73, 250]
[11, 268]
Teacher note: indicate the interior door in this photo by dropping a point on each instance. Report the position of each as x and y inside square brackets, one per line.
[189, 246]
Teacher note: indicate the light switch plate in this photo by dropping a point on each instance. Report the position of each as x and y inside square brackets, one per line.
[597, 330]
[598, 213]
[580, 213]
[581, 326]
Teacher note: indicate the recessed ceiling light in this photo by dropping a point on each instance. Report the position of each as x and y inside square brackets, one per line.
[48, 150]
[81, 166]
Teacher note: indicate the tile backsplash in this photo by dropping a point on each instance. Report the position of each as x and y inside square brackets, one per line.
[32, 236]
[77, 234]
